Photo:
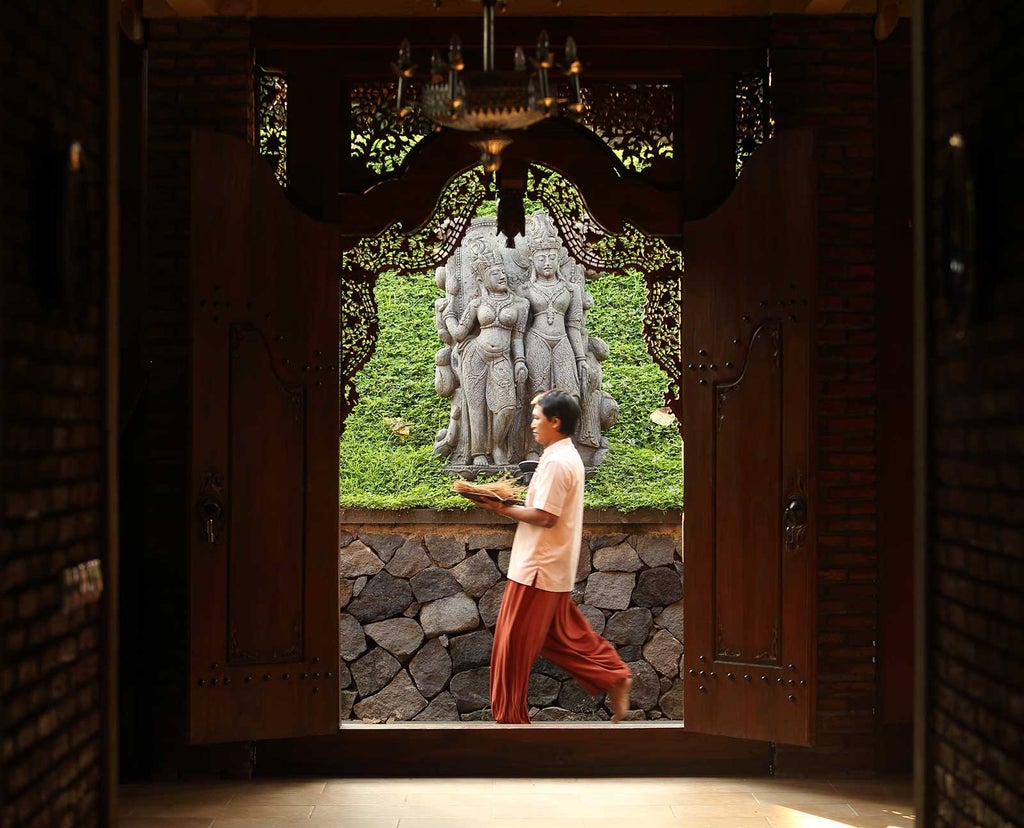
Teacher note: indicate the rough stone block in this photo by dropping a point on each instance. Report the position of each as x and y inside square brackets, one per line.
[656, 550]
[431, 668]
[434, 583]
[472, 689]
[399, 699]
[619, 558]
[441, 709]
[542, 690]
[445, 550]
[629, 626]
[399, 636]
[609, 590]
[454, 614]
[671, 619]
[490, 603]
[409, 560]
[471, 650]
[351, 639]
[383, 597]
[658, 587]
[374, 670]
[662, 652]
[383, 544]
[477, 574]
[358, 559]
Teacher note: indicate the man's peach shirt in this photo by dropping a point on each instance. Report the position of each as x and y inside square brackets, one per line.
[547, 557]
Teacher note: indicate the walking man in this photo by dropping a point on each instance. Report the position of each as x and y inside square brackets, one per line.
[537, 615]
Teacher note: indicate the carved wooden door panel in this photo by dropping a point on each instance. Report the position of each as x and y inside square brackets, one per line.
[264, 481]
[749, 562]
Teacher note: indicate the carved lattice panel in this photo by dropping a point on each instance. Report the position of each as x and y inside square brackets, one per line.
[754, 124]
[663, 331]
[272, 119]
[358, 334]
[586, 239]
[425, 249]
[380, 140]
[635, 120]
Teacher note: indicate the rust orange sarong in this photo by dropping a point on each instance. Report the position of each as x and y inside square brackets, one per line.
[535, 622]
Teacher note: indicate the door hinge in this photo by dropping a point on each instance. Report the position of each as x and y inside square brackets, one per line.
[771, 758]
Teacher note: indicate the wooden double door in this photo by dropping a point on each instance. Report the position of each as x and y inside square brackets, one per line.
[265, 386]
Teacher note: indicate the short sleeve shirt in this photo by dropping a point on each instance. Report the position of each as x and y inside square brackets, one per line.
[547, 558]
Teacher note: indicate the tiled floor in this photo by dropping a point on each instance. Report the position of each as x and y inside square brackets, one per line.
[521, 803]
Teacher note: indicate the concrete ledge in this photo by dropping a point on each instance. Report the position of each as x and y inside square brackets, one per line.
[478, 517]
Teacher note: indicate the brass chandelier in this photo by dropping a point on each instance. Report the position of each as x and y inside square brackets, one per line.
[490, 103]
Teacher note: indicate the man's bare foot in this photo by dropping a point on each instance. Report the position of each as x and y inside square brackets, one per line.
[619, 696]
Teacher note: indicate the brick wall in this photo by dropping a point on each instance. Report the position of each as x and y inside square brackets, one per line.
[52, 408]
[976, 427]
[200, 75]
[823, 76]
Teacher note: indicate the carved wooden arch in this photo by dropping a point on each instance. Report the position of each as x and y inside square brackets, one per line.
[613, 194]
[618, 199]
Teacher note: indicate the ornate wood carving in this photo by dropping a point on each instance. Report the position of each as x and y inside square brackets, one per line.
[358, 334]
[428, 247]
[635, 120]
[380, 140]
[272, 119]
[754, 123]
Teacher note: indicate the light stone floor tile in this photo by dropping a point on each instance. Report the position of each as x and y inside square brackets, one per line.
[257, 822]
[893, 810]
[376, 810]
[797, 799]
[257, 795]
[164, 822]
[521, 803]
[228, 811]
[566, 807]
[836, 810]
[781, 817]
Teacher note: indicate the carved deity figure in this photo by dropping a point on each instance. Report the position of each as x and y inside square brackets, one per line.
[493, 366]
[513, 324]
[554, 341]
[483, 368]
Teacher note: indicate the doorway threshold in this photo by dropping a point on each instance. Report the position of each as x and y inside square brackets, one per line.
[484, 749]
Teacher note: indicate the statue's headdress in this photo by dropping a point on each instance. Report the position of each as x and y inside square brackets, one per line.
[482, 255]
[542, 235]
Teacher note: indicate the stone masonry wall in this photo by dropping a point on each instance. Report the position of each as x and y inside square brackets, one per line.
[419, 602]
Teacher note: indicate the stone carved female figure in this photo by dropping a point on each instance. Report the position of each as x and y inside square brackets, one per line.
[554, 343]
[493, 372]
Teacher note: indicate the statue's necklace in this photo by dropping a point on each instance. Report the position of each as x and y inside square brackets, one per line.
[550, 295]
[498, 305]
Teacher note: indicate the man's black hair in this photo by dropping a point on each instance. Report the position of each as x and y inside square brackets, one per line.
[561, 405]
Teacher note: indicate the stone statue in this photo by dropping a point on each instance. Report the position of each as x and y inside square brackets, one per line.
[513, 324]
[554, 342]
[483, 366]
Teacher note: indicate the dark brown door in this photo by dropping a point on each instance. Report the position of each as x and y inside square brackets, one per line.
[264, 476]
[749, 560]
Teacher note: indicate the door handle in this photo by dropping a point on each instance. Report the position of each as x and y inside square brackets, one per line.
[210, 508]
[211, 513]
[794, 521]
